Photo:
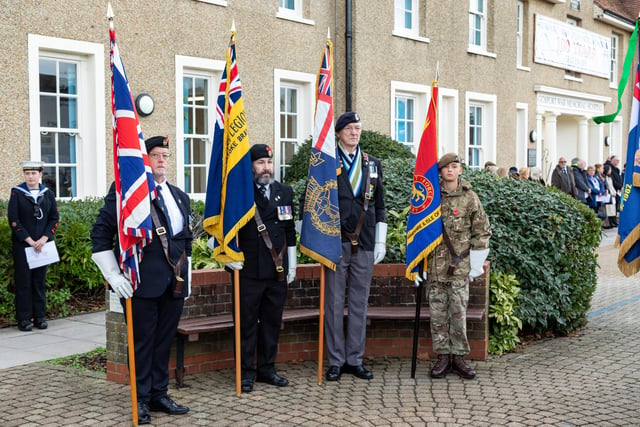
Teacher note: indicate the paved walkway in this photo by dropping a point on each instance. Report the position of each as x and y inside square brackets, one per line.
[591, 378]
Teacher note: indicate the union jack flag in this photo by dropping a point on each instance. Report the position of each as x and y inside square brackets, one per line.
[229, 203]
[135, 187]
[320, 232]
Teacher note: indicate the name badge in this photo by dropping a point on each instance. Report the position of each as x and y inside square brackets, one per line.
[373, 171]
[285, 213]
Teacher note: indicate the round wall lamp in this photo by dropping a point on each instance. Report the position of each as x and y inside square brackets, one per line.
[145, 104]
[533, 136]
[606, 141]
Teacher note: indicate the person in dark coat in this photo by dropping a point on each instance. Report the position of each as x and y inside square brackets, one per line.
[583, 191]
[33, 218]
[159, 298]
[562, 178]
[263, 282]
[364, 234]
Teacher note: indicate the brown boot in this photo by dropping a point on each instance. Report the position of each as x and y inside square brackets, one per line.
[460, 367]
[441, 367]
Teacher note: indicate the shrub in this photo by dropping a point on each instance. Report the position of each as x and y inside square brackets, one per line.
[503, 324]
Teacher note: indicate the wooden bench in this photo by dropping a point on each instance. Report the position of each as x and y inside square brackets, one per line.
[190, 329]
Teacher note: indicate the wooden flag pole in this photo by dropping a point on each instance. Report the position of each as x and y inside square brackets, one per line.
[236, 309]
[132, 364]
[321, 326]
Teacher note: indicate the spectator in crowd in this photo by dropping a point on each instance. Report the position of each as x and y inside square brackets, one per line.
[612, 218]
[33, 217]
[562, 178]
[536, 176]
[524, 174]
[616, 177]
[582, 191]
[488, 166]
[513, 172]
[597, 192]
[502, 172]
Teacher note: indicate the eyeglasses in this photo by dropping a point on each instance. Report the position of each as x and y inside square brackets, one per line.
[563, 161]
[156, 156]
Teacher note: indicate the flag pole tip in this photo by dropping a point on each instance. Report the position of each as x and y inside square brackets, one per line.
[109, 11]
[233, 25]
[328, 33]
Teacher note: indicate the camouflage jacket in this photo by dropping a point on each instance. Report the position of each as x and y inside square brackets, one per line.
[468, 228]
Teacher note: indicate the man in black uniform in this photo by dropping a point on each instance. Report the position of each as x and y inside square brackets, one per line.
[364, 235]
[263, 288]
[164, 280]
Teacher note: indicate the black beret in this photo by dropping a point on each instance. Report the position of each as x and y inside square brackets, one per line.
[156, 141]
[448, 158]
[258, 151]
[345, 119]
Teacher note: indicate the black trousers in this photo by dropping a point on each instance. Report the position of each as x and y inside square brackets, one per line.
[30, 290]
[261, 306]
[155, 321]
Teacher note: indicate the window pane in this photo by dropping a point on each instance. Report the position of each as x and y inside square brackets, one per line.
[67, 148]
[68, 78]
[201, 121]
[67, 181]
[47, 76]
[188, 120]
[283, 126]
[48, 148]
[187, 151]
[293, 101]
[201, 92]
[199, 179]
[48, 111]
[68, 112]
[186, 89]
[199, 151]
[292, 127]
[49, 179]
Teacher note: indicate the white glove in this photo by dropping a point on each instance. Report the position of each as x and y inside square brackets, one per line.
[476, 259]
[211, 242]
[298, 226]
[293, 264]
[380, 247]
[189, 270]
[420, 279]
[108, 265]
[234, 265]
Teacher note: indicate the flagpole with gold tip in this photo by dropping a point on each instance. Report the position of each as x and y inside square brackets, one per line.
[129, 314]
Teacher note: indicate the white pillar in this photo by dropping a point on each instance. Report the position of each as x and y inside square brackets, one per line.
[583, 139]
[550, 145]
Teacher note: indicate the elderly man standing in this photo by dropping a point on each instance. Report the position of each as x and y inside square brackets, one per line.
[562, 178]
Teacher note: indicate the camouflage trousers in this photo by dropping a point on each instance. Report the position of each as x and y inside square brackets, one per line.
[448, 306]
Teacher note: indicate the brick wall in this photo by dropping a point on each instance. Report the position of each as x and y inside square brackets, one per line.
[212, 291]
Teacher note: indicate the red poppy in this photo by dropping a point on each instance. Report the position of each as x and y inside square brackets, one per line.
[456, 211]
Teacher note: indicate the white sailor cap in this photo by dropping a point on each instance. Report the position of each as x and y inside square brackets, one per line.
[32, 166]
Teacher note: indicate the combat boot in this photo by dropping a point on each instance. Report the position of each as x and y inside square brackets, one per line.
[442, 366]
[460, 367]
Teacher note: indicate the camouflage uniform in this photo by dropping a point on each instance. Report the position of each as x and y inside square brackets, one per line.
[467, 226]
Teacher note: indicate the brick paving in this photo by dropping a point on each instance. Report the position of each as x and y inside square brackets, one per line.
[590, 379]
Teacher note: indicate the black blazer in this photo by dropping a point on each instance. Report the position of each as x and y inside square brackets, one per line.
[156, 275]
[29, 217]
[258, 263]
[351, 206]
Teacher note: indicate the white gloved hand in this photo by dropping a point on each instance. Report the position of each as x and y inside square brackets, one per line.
[420, 278]
[108, 265]
[211, 242]
[380, 248]
[234, 265]
[476, 259]
[189, 270]
[293, 264]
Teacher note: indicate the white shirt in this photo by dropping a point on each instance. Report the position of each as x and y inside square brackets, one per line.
[175, 214]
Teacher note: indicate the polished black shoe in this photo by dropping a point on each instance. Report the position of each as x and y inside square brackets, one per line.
[442, 366]
[143, 413]
[333, 374]
[273, 379]
[25, 326]
[166, 404]
[358, 370]
[246, 386]
[41, 324]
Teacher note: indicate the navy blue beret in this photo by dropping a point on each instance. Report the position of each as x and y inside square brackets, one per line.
[156, 141]
[345, 119]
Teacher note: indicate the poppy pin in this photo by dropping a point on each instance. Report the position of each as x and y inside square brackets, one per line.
[456, 211]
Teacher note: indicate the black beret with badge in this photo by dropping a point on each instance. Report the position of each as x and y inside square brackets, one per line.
[345, 119]
[259, 151]
[156, 141]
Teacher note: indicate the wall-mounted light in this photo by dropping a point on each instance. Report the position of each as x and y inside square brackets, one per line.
[533, 136]
[145, 104]
[606, 141]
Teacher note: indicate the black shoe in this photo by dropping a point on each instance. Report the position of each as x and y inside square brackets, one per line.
[273, 379]
[246, 386]
[359, 371]
[41, 324]
[25, 326]
[143, 413]
[166, 404]
[333, 374]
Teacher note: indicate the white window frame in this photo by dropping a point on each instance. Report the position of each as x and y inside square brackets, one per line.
[91, 153]
[488, 102]
[215, 2]
[475, 13]
[615, 49]
[296, 14]
[190, 66]
[422, 95]
[519, 33]
[399, 11]
[448, 113]
[305, 84]
[522, 143]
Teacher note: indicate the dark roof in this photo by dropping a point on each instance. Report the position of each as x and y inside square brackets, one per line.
[627, 9]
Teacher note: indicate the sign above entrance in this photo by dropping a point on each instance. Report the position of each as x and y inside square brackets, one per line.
[569, 102]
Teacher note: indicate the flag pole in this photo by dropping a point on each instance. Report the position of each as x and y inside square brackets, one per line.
[416, 328]
[236, 308]
[129, 315]
[321, 326]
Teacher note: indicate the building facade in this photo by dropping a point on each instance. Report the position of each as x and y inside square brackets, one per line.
[520, 80]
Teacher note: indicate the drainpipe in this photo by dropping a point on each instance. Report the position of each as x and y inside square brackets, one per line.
[348, 54]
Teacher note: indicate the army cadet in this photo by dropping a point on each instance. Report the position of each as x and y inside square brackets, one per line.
[164, 280]
[453, 263]
[268, 242]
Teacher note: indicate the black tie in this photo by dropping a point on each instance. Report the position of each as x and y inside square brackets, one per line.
[564, 171]
[263, 191]
[163, 206]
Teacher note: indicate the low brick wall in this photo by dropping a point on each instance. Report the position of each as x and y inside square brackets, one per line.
[211, 292]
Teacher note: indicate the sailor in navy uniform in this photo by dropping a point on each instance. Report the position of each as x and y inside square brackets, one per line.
[158, 300]
[33, 218]
[262, 289]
